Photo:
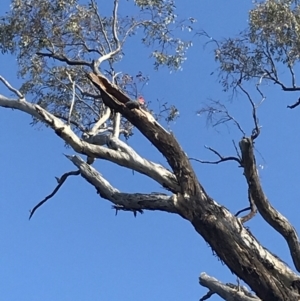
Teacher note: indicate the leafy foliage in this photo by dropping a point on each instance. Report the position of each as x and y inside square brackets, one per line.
[57, 42]
[271, 40]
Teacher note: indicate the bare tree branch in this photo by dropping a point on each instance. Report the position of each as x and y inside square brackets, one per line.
[11, 88]
[227, 292]
[296, 104]
[222, 159]
[256, 130]
[127, 201]
[65, 59]
[94, 6]
[274, 218]
[223, 116]
[100, 122]
[252, 208]
[60, 182]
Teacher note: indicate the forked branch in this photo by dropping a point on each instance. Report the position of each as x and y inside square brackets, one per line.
[222, 158]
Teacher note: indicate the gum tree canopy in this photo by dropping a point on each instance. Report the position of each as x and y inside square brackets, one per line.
[67, 54]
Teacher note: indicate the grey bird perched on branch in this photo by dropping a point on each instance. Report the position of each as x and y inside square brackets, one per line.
[136, 104]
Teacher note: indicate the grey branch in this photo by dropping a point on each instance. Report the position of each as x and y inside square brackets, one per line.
[256, 130]
[65, 59]
[274, 218]
[222, 158]
[226, 291]
[129, 201]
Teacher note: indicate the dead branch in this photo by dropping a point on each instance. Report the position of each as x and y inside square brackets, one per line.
[217, 108]
[274, 218]
[252, 208]
[60, 182]
[256, 130]
[65, 59]
[124, 201]
[228, 291]
[222, 159]
[296, 104]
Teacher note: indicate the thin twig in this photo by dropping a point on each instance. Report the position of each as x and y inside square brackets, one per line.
[242, 210]
[253, 209]
[296, 104]
[222, 159]
[237, 151]
[256, 130]
[60, 183]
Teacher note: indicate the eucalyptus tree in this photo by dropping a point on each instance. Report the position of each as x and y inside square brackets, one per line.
[67, 54]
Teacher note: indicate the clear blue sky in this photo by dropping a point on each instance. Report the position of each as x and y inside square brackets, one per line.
[75, 248]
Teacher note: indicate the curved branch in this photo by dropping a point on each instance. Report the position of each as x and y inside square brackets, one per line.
[126, 201]
[222, 159]
[256, 130]
[274, 218]
[60, 182]
[100, 122]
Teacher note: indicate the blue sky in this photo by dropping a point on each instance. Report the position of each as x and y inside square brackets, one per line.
[75, 248]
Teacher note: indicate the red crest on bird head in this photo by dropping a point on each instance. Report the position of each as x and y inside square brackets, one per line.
[141, 100]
